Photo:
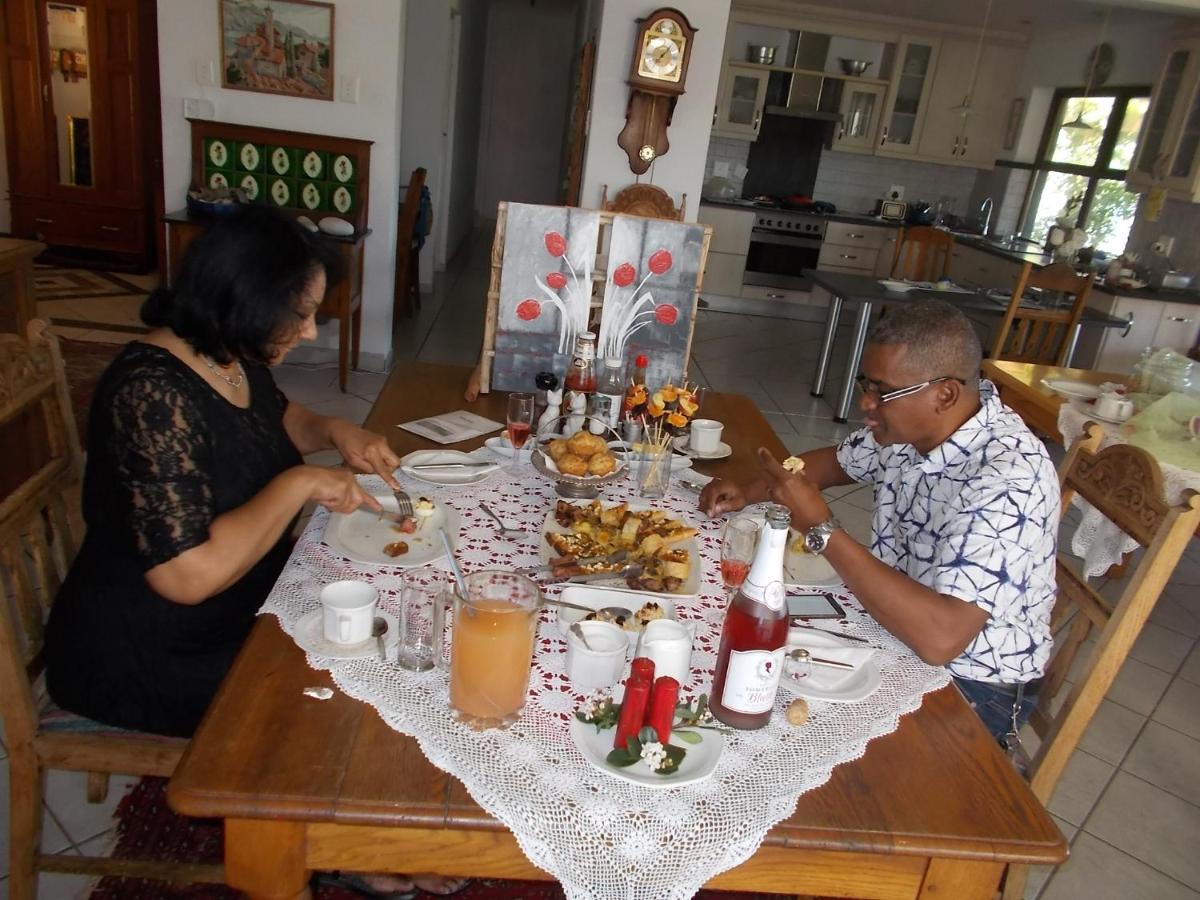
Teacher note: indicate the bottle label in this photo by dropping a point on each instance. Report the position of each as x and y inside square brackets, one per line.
[751, 680]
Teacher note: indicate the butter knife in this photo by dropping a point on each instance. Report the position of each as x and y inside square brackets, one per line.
[453, 465]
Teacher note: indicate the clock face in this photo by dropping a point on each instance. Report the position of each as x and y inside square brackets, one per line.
[661, 55]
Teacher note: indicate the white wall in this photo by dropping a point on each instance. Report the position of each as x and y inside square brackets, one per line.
[681, 169]
[460, 215]
[369, 45]
[427, 54]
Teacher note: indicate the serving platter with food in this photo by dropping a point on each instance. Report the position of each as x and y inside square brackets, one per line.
[657, 552]
[389, 539]
[639, 609]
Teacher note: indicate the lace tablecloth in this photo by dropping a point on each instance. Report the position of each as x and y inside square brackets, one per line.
[600, 836]
[1099, 542]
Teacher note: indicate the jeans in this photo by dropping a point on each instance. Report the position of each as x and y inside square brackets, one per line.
[995, 703]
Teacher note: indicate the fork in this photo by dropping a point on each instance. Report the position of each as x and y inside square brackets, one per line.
[403, 502]
[512, 534]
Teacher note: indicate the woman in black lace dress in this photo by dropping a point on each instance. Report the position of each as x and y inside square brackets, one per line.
[195, 474]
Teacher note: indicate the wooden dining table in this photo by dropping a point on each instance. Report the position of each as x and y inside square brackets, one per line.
[1022, 388]
[932, 810]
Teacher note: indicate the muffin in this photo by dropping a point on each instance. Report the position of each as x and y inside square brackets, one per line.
[570, 464]
[601, 464]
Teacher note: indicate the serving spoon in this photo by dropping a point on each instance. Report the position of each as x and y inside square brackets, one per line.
[611, 611]
[378, 629]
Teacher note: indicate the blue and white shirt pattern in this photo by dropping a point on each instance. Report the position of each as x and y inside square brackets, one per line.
[976, 519]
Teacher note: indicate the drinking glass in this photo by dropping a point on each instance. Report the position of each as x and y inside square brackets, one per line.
[491, 650]
[520, 423]
[654, 472]
[738, 543]
[418, 602]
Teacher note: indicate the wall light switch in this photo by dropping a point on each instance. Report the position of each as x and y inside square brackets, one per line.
[348, 88]
[205, 73]
[194, 108]
[1164, 246]
[721, 168]
[896, 192]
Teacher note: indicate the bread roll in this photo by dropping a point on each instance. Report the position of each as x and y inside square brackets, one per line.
[585, 444]
[557, 449]
[601, 463]
[570, 464]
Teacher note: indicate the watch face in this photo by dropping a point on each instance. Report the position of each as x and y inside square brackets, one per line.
[815, 540]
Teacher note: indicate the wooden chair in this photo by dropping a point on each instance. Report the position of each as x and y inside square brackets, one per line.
[1125, 484]
[644, 200]
[408, 256]
[40, 529]
[922, 253]
[1041, 335]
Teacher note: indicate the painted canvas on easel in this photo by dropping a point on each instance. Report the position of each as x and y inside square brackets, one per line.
[650, 294]
[545, 291]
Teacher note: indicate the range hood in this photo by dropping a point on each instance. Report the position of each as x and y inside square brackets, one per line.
[800, 113]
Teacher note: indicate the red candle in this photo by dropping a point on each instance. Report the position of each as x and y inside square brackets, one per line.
[642, 668]
[661, 715]
[633, 710]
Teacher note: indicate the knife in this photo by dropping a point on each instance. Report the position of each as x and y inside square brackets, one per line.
[453, 465]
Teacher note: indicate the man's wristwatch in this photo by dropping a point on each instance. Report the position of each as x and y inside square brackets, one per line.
[816, 539]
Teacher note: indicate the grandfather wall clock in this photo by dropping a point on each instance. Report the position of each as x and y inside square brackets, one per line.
[660, 62]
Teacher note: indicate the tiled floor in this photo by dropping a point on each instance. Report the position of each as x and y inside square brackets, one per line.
[1130, 798]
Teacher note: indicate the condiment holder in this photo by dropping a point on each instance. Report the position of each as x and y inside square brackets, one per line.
[669, 644]
[599, 663]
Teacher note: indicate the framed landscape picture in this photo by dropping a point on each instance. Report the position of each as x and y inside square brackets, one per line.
[278, 47]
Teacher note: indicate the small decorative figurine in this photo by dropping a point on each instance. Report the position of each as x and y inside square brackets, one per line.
[578, 413]
[546, 423]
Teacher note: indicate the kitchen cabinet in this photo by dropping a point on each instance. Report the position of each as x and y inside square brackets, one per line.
[851, 247]
[1152, 323]
[740, 107]
[908, 96]
[1177, 327]
[1168, 154]
[727, 249]
[972, 267]
[859, 117]
[969, 136]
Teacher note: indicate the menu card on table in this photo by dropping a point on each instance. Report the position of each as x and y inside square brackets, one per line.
[452, 427]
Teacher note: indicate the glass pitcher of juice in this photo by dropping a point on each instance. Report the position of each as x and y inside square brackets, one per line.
[491, 648]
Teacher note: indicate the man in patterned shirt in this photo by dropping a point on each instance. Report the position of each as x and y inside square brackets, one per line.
[961, 562]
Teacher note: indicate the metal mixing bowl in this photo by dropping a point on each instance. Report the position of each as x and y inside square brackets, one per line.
[854, 66]
[757, 53]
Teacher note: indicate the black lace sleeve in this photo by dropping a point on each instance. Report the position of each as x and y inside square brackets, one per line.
[161, 452]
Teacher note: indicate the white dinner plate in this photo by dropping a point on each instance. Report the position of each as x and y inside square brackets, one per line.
[1073, 390]
[896, 287]
[360, 536]
[449, 477]
[309, 635]
[681, 445]
[598, 598]
[829, 684]
[1089, 410]
[690, 588]
[699, 763]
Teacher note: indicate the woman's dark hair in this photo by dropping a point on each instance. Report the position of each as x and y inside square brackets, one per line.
[240, 285]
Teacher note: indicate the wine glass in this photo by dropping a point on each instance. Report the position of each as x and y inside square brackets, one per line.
[520, 423]
[738, 542]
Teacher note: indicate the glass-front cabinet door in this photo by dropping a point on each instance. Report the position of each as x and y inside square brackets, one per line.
[743, 95]
[859, 114]
[1183, 169]
[1154, 149]
[901, 131]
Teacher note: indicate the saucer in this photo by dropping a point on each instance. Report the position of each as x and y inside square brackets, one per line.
[680, 445]
[309, 635]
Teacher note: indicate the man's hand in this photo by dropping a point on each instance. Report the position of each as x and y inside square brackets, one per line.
[795, 492]
[721, 496]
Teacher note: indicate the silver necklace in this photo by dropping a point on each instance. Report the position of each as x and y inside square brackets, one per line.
[232, 382]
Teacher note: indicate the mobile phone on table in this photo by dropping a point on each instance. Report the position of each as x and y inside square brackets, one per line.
[813, 606]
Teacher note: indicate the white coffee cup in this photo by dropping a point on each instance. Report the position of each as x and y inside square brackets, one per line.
[602, 664]
[706, 435]
[1114, 406]
[348, 611]
[669, 645]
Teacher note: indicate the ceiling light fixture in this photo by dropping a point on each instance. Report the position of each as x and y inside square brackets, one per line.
[1078, 123]
[965, 109]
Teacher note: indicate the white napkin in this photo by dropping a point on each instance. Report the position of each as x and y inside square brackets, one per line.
[826, 646]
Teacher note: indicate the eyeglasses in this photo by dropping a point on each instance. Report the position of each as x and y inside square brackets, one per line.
[874, 389]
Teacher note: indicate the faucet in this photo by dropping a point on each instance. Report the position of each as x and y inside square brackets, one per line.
[985, 215]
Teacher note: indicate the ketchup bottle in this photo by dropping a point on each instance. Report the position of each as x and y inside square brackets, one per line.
[754, 636]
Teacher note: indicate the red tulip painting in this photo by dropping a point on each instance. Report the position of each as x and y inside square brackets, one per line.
[627, 313]
[570, 296]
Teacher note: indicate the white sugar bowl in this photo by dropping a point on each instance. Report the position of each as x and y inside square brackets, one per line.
[599, 663]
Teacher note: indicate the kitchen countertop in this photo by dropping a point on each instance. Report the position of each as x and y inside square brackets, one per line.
[853, 218]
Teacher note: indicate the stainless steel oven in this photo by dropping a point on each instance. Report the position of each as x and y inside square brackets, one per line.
[783, 245]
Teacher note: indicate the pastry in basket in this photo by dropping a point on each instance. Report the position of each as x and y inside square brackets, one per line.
[601, 464]
[557, 449]
[613, 537]
[571, 464]
[585, 444]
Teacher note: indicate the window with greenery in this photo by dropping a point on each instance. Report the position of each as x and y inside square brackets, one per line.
[1079, 174]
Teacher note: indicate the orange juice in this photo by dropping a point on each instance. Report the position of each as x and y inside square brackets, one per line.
[491, 655]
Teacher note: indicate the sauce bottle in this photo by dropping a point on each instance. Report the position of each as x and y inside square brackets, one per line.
[754, 636]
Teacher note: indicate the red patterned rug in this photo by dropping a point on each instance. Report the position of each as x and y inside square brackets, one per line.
[147, 828]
